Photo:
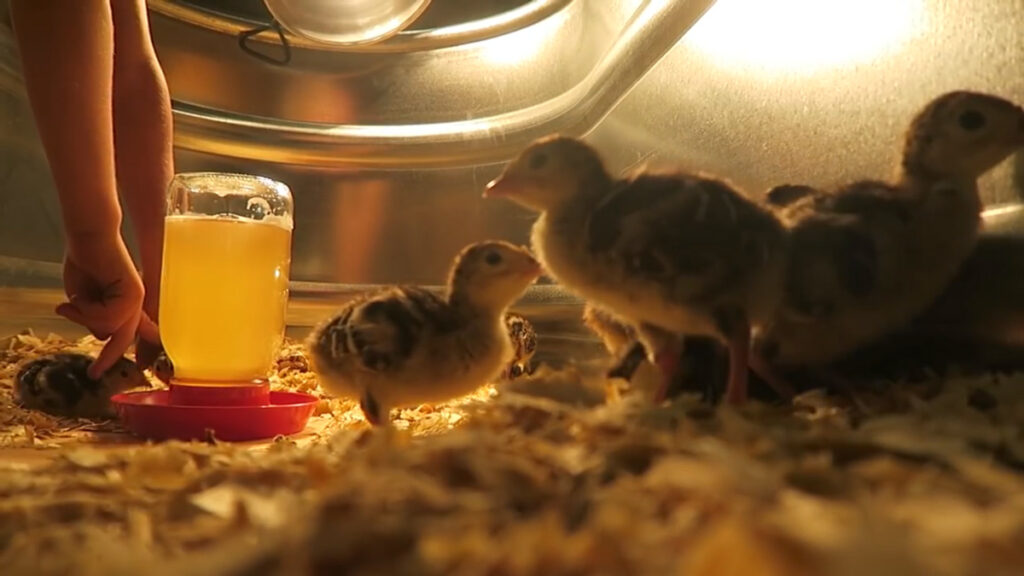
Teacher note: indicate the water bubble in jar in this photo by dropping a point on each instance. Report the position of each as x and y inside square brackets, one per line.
[258, 208]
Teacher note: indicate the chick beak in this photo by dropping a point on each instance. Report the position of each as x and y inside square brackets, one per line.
[532, 269]
[503, 185]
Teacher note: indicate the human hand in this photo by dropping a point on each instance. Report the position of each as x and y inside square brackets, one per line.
[147, 351]
[105, 295]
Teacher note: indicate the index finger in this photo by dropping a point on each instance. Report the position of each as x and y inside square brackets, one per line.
[114, 348]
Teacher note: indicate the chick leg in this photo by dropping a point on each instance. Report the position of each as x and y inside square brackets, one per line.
[735, 326]
[666, 350]
[667, 360]
[627, 365]
[760, 363]
[739, 346]
[374, 412]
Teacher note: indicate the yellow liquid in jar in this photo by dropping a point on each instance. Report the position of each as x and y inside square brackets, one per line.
[223, 294]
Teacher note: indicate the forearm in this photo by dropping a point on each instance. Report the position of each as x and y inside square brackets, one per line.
[142, 131]
[67, 59]
[142, 128]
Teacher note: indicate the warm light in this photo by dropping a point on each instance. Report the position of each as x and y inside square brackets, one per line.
[804, 35]
[521, 45]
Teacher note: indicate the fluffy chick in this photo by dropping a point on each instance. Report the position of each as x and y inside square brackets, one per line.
[524, 345]
[403, 346]
[58, 384]
[671, 253]
[869, 257]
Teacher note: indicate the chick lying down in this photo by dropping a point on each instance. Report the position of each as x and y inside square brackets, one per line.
[59, 384]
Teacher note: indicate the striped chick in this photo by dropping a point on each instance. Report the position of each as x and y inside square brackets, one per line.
[403, 345]
[524, 345]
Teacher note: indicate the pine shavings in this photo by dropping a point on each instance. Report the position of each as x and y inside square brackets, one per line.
[547, 475]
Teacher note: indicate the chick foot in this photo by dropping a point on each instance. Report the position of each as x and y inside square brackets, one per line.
[628, 364]
[739, 352]
[667, 359]
[771, 375]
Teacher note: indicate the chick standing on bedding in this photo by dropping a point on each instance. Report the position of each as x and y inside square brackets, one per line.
[868, 258]
[59, 384]
[673, 254]
[524, 346]
[520, 330]
[403, 346]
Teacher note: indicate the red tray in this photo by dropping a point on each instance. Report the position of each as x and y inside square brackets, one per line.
[151, 414]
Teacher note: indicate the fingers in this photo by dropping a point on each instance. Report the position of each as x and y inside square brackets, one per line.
[121, 338]
[114, 348]
[107, 316]
[146, 354]
[148, 347]
[148, 329]
[69, 311]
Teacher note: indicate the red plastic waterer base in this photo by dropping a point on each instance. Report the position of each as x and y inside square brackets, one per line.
[230, 413]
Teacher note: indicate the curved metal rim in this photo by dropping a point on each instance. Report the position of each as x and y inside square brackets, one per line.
[408, 21]
[647, 36]
[406, 41]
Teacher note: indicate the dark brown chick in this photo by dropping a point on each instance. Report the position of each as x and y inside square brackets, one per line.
[58, 384]
[869, 257]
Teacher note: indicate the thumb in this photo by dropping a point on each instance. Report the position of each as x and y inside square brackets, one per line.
[75, 315]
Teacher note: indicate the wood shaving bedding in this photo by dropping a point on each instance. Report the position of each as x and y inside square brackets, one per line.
[539, 477]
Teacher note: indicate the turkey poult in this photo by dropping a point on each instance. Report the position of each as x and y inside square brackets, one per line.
[59, 384]
[524, 346]
[404, 346]
[673, 254]
[869, 257]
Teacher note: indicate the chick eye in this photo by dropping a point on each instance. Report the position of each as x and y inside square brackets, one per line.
[492, 258]
[972, 120]
[538, 161]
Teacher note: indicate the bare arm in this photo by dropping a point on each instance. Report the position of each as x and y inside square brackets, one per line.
[67, 60]
[67, 54]
[143, 139]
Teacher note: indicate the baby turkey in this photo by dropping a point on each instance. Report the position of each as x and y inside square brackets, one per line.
[673, 254]
[403, 346]
[868, 258]
[58, 384]
[524, 346]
